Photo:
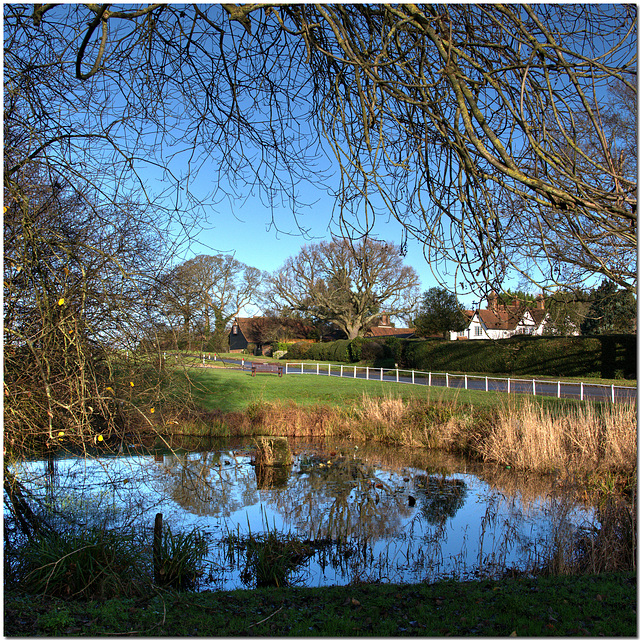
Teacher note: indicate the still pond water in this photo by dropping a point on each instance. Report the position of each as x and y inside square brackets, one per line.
[371, 513]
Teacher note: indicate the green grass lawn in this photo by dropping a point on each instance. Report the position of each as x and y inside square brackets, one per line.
[229, 389]
[602, 605]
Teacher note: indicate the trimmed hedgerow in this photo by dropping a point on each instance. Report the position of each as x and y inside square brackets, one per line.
[581, 356]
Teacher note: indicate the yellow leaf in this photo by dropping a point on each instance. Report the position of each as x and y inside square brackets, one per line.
[131, 383]
[110, 389]
[60, 434]
[60, 302]
[152, 410]
[100, 438]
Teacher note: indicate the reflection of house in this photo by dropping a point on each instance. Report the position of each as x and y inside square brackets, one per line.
[258, 332]
[499, 321]
[384, 329]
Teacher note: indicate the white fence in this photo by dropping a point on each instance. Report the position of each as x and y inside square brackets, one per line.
[557, 388]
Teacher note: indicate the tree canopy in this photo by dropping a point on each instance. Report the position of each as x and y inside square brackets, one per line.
[350, 284]
[502, 137]
[439, 312]
[207, 292]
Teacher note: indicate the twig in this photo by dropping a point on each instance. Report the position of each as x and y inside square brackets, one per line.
[265, 619]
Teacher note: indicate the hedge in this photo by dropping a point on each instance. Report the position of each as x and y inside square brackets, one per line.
[583, 356]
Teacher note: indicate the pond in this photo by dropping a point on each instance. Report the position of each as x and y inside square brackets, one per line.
[358, 513]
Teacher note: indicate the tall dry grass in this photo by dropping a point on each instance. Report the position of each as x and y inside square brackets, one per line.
[523, 436]
[588, 437]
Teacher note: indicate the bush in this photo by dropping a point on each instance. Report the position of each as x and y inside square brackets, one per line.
[355, 349]
[298, 351]
[372, 352]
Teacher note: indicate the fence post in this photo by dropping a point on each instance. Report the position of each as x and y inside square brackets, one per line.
[381, 374]
[286, 368]
[413, 376]
[341, 367]
[429, 378]
[447, 378]
[367, 373]
[329, 371]
[465, 382]
[534, 387]
[486, 383]
[397, 375]
[613, 394]
[558, 388]
[581, 391]
[302, 367]
[318, 369]
[157, 549]
[508, 385]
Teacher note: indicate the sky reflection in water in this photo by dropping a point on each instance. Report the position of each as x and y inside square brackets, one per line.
[388, 518]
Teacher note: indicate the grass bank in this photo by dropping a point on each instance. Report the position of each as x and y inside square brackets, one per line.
[537, 434]
[602, 605]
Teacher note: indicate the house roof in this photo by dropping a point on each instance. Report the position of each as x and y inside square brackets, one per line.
[509, 318]
[500, 319]
[397, 332]
[249, 325]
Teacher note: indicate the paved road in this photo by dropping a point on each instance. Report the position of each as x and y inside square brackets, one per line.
[542, 388]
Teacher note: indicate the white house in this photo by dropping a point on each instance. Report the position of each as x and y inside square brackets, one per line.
[500, 321]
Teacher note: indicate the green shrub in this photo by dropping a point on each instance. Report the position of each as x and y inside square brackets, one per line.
[372, 352]
[339, 350]
[600, 356]
[298, 351]
[355, 349]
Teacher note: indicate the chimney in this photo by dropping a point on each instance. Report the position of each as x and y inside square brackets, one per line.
[492, 301]
[540, 302]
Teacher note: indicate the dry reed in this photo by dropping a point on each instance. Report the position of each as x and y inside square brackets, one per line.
[588, 438]
[522, 436]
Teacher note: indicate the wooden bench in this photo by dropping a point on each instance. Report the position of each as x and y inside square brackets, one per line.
[266, 367]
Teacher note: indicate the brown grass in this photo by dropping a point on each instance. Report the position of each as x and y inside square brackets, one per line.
[585, 439]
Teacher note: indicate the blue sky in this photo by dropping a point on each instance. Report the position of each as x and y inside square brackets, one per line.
[246, 230]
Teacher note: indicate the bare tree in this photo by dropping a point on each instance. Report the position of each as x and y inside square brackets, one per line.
[348, 283]
[484, 129]
[210, 290]
[75, 284]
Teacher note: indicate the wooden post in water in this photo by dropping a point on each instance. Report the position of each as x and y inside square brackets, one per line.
[157, 547]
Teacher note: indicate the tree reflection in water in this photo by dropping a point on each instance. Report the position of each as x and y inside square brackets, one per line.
[369, 513]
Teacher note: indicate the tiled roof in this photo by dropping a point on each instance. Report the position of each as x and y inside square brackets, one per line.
[380, 332]
[248, 325]
[500, 319]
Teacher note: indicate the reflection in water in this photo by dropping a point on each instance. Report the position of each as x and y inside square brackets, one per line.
[441, 498]
[366, 514]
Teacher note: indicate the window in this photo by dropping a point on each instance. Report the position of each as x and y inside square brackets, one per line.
[234, 329]
[478, 331]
